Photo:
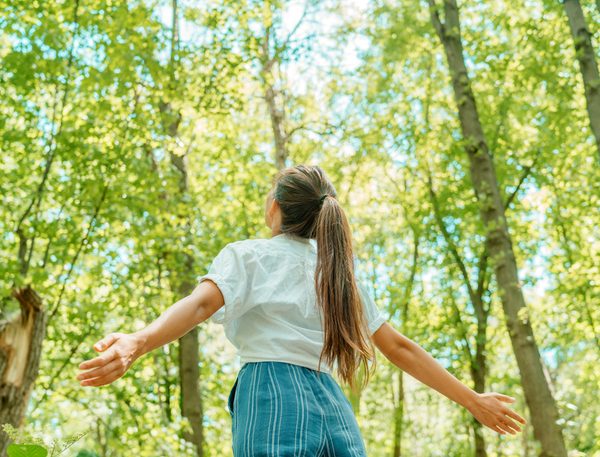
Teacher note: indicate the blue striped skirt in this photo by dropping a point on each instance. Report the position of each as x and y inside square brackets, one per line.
[282, 409]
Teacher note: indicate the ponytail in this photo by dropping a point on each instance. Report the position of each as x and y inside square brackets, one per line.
[346, 339]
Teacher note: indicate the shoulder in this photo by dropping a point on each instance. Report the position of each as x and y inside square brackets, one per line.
[248, 247]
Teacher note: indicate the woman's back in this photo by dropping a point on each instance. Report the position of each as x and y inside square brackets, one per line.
[271, 311]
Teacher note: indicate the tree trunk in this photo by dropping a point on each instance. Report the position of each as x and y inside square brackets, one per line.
[478, 374]
[21, 341]
[191, 400]
[276, 113]
[182, 285]
[277, 119]
[479, 363]
[542, 406]
[399, 416]
[587, 64]
[189, 356]
[404, 313]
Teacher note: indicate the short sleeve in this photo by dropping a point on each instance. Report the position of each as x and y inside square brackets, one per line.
[229, 272]
[373, 314]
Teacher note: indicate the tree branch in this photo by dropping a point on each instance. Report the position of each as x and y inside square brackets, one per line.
[526, 172]
[448, 238]
[435, 18]
[79, 249]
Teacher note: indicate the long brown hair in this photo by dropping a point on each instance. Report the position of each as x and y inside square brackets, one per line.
[310, 209]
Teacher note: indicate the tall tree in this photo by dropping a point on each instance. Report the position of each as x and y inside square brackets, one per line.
[584, 51]
[182, 274]
[539, 398]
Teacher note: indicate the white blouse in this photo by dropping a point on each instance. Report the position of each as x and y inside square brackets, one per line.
[270, 311]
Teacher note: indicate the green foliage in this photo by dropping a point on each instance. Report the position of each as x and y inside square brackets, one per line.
[35, 446]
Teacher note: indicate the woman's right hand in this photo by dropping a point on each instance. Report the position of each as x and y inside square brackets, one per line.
[490, 409]
[119, 351]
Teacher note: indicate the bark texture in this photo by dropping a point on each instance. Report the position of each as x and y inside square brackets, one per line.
[588, 66]
[542, 407]
[21, 341]
[275, 107]
[399, 416]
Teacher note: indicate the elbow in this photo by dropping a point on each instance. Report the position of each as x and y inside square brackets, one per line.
[396, 347]
[401, 357]
[404, 353]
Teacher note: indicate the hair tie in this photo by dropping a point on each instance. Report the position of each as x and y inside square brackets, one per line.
[323, 197]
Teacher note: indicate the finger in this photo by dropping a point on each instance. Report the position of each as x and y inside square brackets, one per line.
[505, 428]
[103, 380]
[497, 429]
[100, 371]
[514, 415]
[504, 398]
[98, 361]
[106, 342]
[512, 424]
[511, 427]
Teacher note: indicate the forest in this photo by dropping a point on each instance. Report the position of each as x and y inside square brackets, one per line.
[463, 137]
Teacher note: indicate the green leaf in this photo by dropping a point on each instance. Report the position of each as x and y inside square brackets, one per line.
[26, 450]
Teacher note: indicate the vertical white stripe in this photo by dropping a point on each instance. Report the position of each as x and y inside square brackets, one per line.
[256, 405]
[303, 408]
[280, 403]
[323, 439]
[273, 419]
[299, 406]
[269, 436]
[250, 413]
[328, 440]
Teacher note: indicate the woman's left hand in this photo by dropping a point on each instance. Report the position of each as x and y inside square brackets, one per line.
[490, 409]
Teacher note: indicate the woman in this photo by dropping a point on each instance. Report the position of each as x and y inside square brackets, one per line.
[292, 307]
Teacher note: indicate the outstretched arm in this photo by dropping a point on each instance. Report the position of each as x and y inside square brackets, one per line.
[182, 317]
[120, 350]
[488, 408]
